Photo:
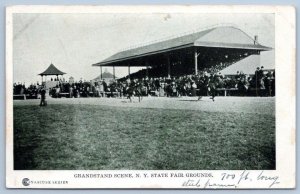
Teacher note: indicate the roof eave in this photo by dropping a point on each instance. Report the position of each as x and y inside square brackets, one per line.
[197, 44]
[143, 55]
[233, 46]
[52, 74]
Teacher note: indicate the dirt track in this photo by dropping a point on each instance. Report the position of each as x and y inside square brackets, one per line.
[259, 105]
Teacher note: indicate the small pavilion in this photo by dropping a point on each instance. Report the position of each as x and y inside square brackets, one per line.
[51, 71]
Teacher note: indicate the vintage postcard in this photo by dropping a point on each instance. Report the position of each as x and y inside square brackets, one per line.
[150, 97]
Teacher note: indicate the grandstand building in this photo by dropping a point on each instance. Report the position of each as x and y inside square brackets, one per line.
[215, 48]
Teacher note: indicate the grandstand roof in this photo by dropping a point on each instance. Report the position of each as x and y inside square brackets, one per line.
[52, 70]
[219, 37]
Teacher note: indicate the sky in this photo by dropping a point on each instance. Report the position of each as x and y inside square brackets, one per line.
[73, 42]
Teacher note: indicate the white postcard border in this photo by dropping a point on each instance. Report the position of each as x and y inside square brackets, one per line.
[285, 56]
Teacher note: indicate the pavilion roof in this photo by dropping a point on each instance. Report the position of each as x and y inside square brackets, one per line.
[52, 70]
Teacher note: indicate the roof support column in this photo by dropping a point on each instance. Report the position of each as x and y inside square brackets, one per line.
[169, 66]
[147, 71]
[147, 68]
[100, 72]
[129, 70]
[114, 72]
[196, 54]
[257, 81]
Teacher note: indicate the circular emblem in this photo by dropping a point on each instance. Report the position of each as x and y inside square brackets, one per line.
[25, 181]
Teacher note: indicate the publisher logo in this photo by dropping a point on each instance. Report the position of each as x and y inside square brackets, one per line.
[25, 181]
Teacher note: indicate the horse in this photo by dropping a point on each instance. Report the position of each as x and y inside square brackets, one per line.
[134, 90]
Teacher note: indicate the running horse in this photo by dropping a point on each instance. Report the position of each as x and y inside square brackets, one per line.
[134, 89]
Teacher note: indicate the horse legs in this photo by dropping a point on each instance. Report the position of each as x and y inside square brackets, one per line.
[140, 96]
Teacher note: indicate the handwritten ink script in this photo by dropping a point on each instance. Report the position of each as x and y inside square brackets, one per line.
[232, 180]
[206, 184]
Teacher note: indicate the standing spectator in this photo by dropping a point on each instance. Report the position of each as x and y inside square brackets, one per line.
[43, 97]
[104, 85]
[268, 84]
[261, 73]
[57, 91]
[256, 79]
[71, 91]
[262, 88]
[212, 86]
[193, 88]
[273, 84]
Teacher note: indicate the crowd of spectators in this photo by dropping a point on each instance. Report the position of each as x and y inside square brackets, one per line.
[261, 83]
[76, 89]
[31, 91]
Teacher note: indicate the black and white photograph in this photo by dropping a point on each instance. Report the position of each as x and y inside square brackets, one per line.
[149, 91]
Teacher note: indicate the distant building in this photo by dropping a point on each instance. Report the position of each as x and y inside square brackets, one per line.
[71, 80]
[106, 76]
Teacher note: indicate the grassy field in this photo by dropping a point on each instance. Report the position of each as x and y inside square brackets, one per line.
[80, 136]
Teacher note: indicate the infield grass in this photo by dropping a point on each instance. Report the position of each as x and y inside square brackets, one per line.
[69, 137]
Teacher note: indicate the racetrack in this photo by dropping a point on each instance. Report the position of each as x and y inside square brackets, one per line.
[258, 105]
